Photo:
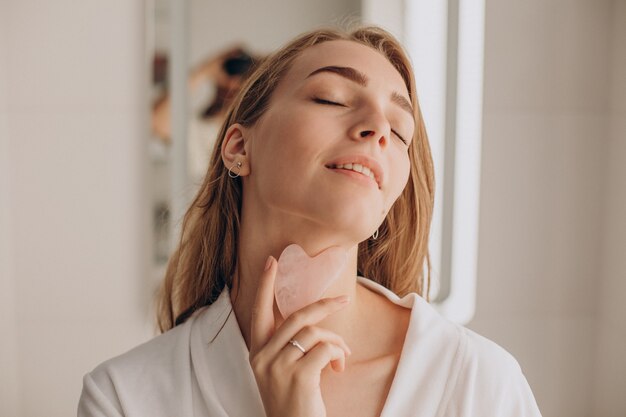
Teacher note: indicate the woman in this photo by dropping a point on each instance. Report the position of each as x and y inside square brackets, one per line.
[327, 103]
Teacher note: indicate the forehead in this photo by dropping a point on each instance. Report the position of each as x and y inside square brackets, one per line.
[380, 72]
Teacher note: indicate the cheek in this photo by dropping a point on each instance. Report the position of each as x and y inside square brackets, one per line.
[297, 139]
[401, 172]
[282, 150]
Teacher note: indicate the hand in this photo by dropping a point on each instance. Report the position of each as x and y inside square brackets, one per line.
[212, 68]
[289, 380]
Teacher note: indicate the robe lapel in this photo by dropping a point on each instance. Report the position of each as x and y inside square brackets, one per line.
[425, 362]
[220, 360]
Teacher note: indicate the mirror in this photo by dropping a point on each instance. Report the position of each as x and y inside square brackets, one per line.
[200, 55]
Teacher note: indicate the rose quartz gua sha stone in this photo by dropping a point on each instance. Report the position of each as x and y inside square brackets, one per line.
[302, 280]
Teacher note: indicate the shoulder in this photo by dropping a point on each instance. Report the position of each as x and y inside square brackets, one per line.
[151, 356]
[487, 380]
[485, 359]
[478, 376]
[466, 374]
[465, 348]
[140, 375]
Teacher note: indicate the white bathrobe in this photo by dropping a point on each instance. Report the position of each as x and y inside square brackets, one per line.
[445, 370]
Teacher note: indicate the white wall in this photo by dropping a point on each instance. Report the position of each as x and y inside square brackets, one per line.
[609, 385]
[9, 382]
[263, 26]
[545, 144]
[73, 127]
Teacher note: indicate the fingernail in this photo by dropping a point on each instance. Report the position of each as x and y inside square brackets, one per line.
[268, 263]
[342, 299]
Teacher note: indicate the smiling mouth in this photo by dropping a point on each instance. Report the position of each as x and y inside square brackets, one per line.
[356, 171]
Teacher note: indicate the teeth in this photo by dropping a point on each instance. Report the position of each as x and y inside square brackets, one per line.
[358, 168]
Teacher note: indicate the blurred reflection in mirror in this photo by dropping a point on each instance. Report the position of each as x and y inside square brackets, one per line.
[212, 86]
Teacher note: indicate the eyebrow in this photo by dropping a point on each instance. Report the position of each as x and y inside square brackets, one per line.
[362, 80]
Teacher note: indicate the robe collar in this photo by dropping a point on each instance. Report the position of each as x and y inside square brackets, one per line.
[220, 358]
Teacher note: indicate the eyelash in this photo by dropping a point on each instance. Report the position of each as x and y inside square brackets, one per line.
[322, 101]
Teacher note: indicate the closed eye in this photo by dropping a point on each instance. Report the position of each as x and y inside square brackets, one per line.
[322, 101]
[401, 138]
[333, 103]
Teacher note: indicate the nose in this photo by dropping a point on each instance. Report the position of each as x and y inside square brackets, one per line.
[371, 125]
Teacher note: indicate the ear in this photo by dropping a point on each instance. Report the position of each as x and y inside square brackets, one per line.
[235, 149]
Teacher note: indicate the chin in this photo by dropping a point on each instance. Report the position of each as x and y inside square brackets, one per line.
[357, 224]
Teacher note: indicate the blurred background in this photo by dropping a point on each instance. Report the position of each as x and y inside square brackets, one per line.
[90, 195]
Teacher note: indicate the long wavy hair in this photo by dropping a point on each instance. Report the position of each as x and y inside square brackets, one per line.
[205, 259]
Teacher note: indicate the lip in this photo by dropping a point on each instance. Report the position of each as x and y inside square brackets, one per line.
[364, 160]
[363, 179]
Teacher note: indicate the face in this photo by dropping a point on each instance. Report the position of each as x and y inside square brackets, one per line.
[340, 106]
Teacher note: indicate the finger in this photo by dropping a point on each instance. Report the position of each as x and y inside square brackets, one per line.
[306, 316]
[262, 320]
[322, 355]
[308, 338]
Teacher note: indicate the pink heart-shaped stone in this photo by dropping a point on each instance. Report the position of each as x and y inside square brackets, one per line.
[302, 280]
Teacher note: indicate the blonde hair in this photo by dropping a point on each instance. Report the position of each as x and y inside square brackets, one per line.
[205, 260]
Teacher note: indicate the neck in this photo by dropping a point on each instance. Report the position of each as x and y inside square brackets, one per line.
[259, 239]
